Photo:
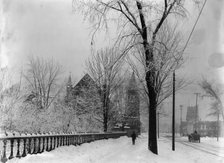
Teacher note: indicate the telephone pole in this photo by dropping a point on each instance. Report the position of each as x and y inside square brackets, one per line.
[158, 123]
[196, 105]
[173, 117]
[181, 108]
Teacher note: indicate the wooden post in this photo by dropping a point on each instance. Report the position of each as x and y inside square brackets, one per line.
[47, 148]
[39, 144]
[18, 146]
[51, 143]
[24, 148]
[11, 144]
[29, 145]
[34, 146]
[43, 144]
[57, 141]
[4, 158]
[173, 117]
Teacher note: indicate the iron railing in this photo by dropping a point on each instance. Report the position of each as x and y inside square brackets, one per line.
[21, 146]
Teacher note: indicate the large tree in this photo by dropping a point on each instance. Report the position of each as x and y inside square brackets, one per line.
[42, 77]
[11, 97]
[215, 93]
[139, 23]
[168, 57]
[105, 68]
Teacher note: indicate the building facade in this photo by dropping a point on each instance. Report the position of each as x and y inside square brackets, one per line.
[204, 128]
[131, 114]
[132, 111]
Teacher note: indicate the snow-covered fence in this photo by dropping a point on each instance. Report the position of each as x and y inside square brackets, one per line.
[21, 145]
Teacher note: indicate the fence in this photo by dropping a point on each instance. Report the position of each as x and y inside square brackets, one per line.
[33, 144]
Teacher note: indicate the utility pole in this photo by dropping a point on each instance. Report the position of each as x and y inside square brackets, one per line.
[218, 128]
[196, 105]
[181, 108]
[173, 117]
[173, 120]
[158, 123]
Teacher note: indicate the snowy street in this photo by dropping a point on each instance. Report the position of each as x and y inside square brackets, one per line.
[216, 148]
[122, 151]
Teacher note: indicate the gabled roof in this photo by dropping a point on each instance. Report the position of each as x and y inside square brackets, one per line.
[85, 81]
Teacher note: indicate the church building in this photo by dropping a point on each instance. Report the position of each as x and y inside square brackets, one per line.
[132, 113]
[131, 116]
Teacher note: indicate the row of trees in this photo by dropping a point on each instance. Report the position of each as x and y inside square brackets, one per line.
[148, 40]
[146, 28]
[35, 103]
[106, 70]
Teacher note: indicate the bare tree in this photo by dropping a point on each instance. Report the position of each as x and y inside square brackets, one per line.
[42, 76]
[215, 93]
[11, 98]
[105, 69]
[169, 57]
[139, 23]
[88, 104]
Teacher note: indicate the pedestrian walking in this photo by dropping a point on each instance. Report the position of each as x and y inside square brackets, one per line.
[133, 136]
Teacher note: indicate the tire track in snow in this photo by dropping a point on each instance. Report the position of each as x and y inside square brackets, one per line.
[203, 148]
[209, 151]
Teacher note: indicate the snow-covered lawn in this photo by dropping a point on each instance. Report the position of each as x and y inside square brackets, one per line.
[122, 151]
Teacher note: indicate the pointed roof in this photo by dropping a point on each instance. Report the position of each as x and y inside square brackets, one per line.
[85, 81]
[69, 80]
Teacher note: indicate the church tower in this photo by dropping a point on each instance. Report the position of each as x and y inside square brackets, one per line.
[132, 105]
[68, 96]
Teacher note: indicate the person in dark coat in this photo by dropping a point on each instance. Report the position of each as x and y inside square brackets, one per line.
[133, 136]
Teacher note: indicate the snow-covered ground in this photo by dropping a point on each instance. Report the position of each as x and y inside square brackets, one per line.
[122, 151]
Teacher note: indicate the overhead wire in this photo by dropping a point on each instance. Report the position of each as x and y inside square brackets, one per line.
[199, 15]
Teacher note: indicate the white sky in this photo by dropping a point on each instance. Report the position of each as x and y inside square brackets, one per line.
[49, 28]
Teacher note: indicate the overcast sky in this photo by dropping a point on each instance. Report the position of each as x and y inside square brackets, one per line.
[51, 29]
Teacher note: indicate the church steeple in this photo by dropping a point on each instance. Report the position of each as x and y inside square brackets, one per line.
[69, 80]
[133, 105]
[69, 88]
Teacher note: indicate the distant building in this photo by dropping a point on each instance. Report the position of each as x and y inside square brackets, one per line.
[132, 112]
[89, 92]
[131, 121]
[85, 86]
[204, 128]
[84, 95]
[192, 114]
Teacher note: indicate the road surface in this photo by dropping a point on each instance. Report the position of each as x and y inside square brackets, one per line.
[203, 146]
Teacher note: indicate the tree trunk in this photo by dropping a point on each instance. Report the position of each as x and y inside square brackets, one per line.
[105, 117]
[152, 137]
[150, 78]
[218, 128]
[105, 108]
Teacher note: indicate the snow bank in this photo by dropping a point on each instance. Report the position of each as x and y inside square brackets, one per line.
[122, 151]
